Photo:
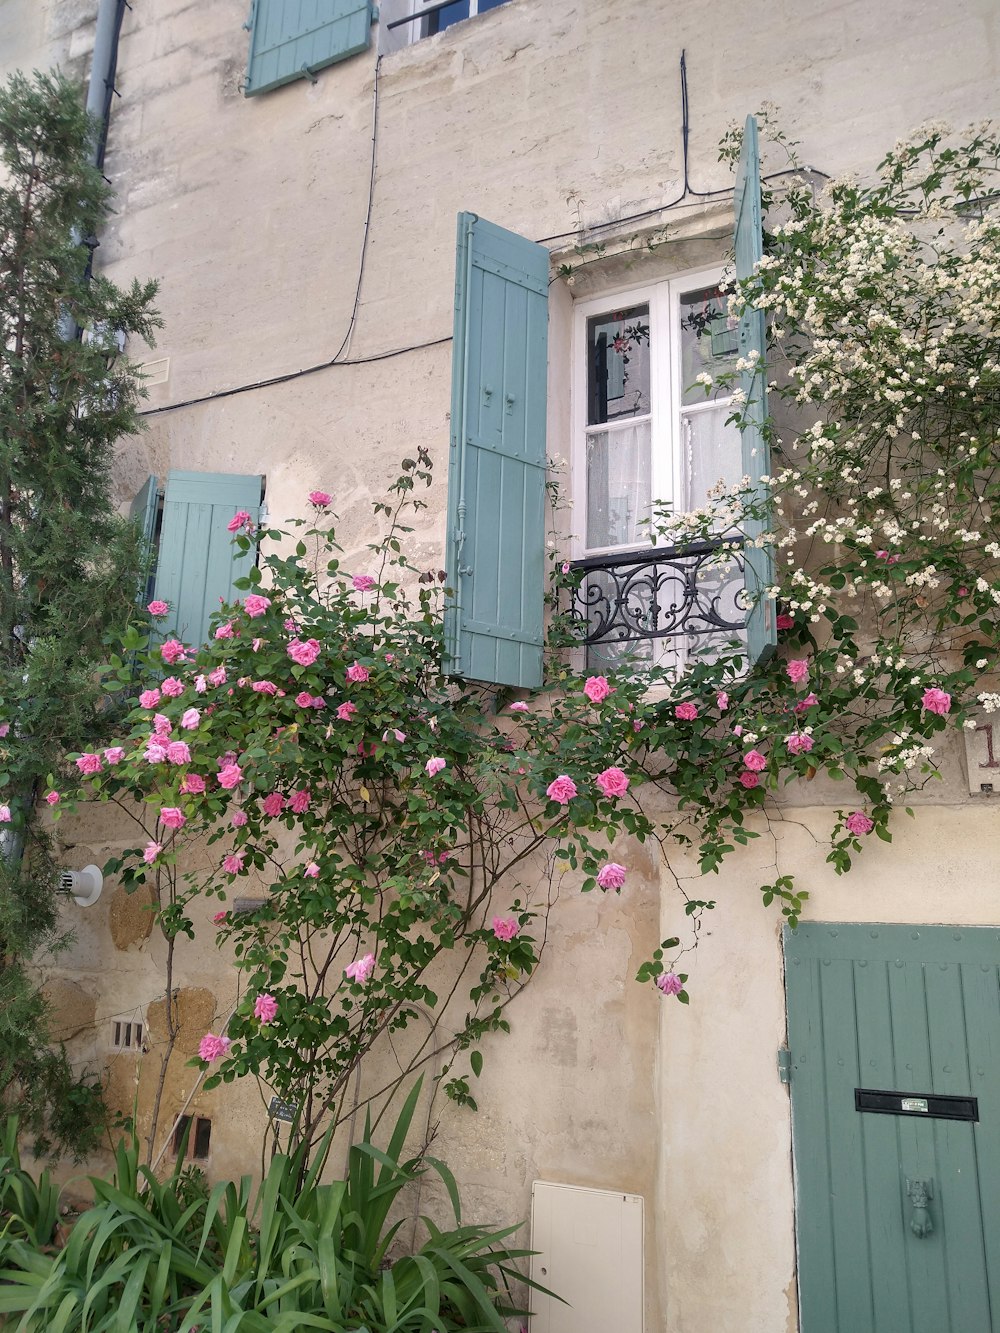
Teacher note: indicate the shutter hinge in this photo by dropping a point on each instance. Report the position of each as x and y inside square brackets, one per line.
[375, 14]
[784, 1064]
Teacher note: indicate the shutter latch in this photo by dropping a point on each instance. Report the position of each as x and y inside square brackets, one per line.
[784, 1064]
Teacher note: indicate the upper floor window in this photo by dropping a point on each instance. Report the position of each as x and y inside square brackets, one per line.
[406, 21]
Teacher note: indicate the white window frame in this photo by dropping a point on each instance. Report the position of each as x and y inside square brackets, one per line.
[668, 481]
[416, 31]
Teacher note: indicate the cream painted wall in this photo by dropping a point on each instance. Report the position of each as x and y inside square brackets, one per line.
[538, 115]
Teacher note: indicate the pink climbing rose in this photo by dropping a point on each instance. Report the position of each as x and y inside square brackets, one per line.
[265, 1007]
[114, 754]
[172, 687]
[4, 814]
[298, 802]
[799, 742]
[238, 819]
[519, 707]
[797, 670]
[934, 701]
[231, 775]
[52, 797]
[190, 719]
[172, 817]
[172, 651]
[311, 871]
[361, 969]
[596, 688]
[89, 763]
[213, 1048]
[362, 582]
[346, 711]
[784, 620]
[810, 701]
[193, 785]
[669, 983]
[158, 608]
[151, 852]
[749, 779]
[178, 752]
[755, 761]
[273, 804]
[357, 674]
[611, 876]
[561, 789]
[233, 863]
[435, 765]
[320, 499]
[224, 631]
[255, 605]
[505, 928]
[722, 701]
[686, 712]
[858, 823]
[304, 653]
[612, 782]
[240, 519]
[217, 676]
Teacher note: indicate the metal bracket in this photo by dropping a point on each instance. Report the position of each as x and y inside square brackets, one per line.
[784, 1064]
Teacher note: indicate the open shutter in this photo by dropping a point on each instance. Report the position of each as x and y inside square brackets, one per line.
[291, 39]
[198, 563]
[496, 479]
[749, 243]
[143, 512]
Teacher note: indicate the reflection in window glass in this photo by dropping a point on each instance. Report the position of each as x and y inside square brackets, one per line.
[618, 365]
[708, 339]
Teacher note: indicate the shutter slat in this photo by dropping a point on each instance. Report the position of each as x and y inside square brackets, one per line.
[762, 634]
[288, 35]
[198, 563]
[496, 485]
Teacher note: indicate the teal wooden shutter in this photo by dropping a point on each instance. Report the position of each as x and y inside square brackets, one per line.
[496, 479]
[143, 512]
[198, 563]
[762, 635]
[290, 39]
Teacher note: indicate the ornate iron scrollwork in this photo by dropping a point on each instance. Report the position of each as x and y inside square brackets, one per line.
[663, 592]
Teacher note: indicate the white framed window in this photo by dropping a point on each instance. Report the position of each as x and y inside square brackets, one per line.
[406, 21]
[644, 431]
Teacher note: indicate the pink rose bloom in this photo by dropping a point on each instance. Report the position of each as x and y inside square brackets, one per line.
[311, 871]
[561, 789]
[346, 711]
[265, 1008]
[4, 729]
[149, 698]
[233, 863]
[357, 674]
[669, 983]
[596, 688]
[390, 658]
[4, 814]
[505, 928]
[172, 817]
[151, 852]
[255, 605]
[178, 752]
[858, 823]
[89, 763]
[810, 701]
[565, 566]
[799, 742]
[193, 785]
[362, 582]
[156, 752]
[220, 917]
[217, 676]
[162, 726]
[797, 670]
[200, 684]
[299, 801]
[190, 719]
[722, 701]
[172, 687]
[172, 651]
[435, 765]
[361, 970]
[934, 701]
[304, 699]
[399, 735]
[225, 630]
[273, 804]
[240, 519]
[239, 818]
[158, 608]
[320, 499]
[611, 876]
[519, 708]
[686, 712]
[612, 782]
[755, 761]
[889, 559]
[749, 779]
[304, 653]
[784, 620]
[213, 1048]
[52, 798]
[264, 687]
[737, 730]
[114, 754]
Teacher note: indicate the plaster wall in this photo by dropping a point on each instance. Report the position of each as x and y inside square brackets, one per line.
[252, 213]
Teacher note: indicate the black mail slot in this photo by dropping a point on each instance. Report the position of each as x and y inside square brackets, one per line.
[916, 1103]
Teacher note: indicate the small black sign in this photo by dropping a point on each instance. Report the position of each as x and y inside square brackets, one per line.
[924, 1104]
[279, 1110]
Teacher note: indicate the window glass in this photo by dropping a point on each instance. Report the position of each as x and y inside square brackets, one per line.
[618, 485]
[618, 365]
[708, 339]
[444, 18]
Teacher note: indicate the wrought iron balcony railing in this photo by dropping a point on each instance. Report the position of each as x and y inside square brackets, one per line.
[666, 592]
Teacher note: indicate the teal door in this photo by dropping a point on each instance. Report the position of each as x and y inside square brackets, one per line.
[894, 1042]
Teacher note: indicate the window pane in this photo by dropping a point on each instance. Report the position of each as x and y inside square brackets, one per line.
[712, 453]
[444, 18]
[484, 5]
[618, 365]
[618, 486]
[708, 340]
